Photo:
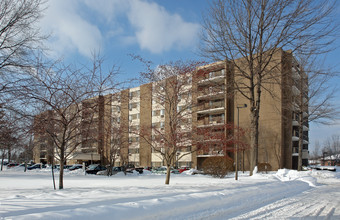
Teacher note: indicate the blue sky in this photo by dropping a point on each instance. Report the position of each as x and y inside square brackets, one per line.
[159, 31]
[156, 30]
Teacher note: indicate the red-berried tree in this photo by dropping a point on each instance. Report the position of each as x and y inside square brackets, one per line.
[224, 140]
[172, 105]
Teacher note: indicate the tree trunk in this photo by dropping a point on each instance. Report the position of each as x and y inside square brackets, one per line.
[9, 154]
[2, 160]
[302, 106]
[300, 141]
[53, 175]
[61, 174]
[254, 139]
[167, 180]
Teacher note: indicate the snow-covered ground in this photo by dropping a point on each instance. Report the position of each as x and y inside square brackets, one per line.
[285, 194]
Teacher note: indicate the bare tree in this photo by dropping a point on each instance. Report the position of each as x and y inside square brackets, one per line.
[13, 132]
[171, 134]
[332, 147]
[19, 37]
[253, 30]
[316, 151]
[7, 142]
[62, 95]
[317, 101]
[114, 149]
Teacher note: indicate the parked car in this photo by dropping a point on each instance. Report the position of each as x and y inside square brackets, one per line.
[117, 169]
[329, 168]
[183, 169]
[19, 167]
[174, 171]
[139, 169]
[36, 166]
[94, 168]
[76, 167]
[22, 165]
[163, 170]
[160, 170]
[67, 166]
[129, 168]
[148, 168]
[12, 165]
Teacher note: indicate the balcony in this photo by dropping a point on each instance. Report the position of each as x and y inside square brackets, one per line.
[211, 93]
[215, 110]
[295, 91]
[217, 121]
[305, 114]
[295, 123]
[213, 77]
[295, 107]
[209, 152]
[295, 152]
[295, 74]
[211, 107]
[295, 138]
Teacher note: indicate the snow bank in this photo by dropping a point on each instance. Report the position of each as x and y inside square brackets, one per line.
[290, 175]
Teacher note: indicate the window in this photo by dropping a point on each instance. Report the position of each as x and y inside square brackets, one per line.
[133, 140]
[133, 129]
[133, 116]
[162, 112]
[189, 80]
[155, 113]
[116, 97]
[223, 72]
[185, 149]
[133, 150]
[134, 94]
[133, 105]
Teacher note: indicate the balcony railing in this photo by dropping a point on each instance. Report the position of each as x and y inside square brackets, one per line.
[210, 105]
[212, 77]
[206, 122]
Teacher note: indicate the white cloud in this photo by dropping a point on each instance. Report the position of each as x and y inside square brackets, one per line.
[108, 8]
[159, 31]
[69, 30]
[85, 26]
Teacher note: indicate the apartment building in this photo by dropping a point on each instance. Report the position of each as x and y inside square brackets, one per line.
[135, 123]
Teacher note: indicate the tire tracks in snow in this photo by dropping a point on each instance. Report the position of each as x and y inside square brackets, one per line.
[322, 202]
